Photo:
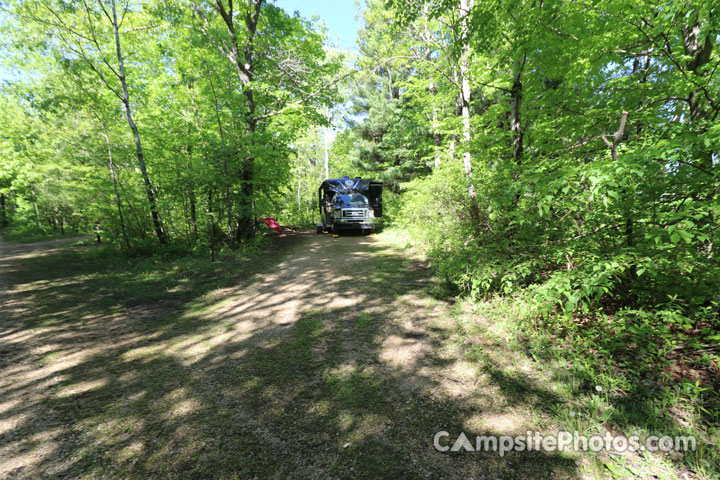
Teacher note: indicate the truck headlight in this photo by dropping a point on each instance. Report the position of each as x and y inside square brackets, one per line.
[371, 213]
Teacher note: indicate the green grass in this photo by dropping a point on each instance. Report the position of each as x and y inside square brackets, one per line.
[31, 233]
[367, 325]
[588, 393]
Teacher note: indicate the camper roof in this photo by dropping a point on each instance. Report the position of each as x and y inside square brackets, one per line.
[346, 184]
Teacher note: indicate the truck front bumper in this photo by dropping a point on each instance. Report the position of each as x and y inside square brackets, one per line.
[354, 223]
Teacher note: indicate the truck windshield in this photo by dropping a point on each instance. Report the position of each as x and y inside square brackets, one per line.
[351, 199]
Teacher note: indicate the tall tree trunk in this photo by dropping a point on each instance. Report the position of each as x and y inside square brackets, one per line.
[699, 53]
[432, 89]
[35, 205]
[299, 188]
[244, 65]
[327, 158]
[157, 224]
[212, 224]
[191, 186]
[210, 202]
[516, 95]
[193, 211]
[245, 223]
[436, 138]
[466, 136]
[435, 127]
[3, 211]
[465, 6]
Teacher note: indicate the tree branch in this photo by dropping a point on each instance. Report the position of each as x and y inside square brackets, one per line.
[306, 98]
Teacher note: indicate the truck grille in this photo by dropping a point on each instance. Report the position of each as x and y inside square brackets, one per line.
[347, 213]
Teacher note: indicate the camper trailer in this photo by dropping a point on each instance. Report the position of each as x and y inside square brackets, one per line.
[349, 204]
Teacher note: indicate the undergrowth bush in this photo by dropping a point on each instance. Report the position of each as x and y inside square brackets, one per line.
[605, 261]
[574, 234]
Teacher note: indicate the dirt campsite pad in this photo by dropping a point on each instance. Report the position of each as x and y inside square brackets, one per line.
[331, 358]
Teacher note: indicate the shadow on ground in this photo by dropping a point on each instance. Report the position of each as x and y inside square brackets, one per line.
[328, 359]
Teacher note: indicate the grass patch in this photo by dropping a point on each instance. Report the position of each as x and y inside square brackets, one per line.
[30, 233]
[586, 391]
[366, 325]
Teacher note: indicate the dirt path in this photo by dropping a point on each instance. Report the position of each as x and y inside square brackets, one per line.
[10, 253]
[333, 359]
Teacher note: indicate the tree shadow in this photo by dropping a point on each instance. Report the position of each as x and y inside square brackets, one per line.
[320, 362]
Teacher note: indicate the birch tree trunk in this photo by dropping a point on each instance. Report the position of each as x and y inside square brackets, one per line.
[157, 224]
[465, 6]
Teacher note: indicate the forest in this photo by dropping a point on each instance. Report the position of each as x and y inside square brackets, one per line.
[558, 158]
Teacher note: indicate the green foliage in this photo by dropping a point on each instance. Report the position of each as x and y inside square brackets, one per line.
[565, 219]
[603, 224]
[216, 150]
